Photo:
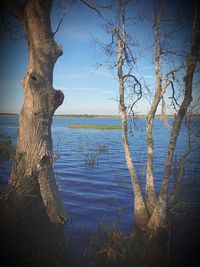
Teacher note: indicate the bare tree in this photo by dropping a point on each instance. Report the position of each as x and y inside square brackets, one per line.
[150, 210]
[159, 215]
[32, 190]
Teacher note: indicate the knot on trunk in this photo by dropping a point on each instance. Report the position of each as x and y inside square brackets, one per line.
[45, 160]
[36, 81]
[57, 99]
[59, 50]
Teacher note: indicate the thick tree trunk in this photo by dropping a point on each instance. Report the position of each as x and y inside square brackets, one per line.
[32, 188]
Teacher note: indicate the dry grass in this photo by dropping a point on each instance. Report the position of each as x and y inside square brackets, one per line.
[107, 247]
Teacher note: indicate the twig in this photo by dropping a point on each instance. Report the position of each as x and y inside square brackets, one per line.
[63, 15]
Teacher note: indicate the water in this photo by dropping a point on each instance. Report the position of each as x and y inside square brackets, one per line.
[92, 194]
[95, 186]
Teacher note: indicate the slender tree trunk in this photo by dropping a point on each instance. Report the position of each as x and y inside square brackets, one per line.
[160, 90]
[141, 216]
[32, 185]
[150, 187]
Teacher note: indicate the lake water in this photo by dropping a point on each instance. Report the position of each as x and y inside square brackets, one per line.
[91, 172]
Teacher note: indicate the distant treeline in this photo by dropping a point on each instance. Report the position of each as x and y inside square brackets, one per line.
[8, 114]
[86, 116]
[196, 116]
[102, 116]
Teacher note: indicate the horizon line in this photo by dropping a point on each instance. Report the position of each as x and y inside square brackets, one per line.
[84, 114]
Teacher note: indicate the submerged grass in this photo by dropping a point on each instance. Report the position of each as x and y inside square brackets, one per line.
[96, 127]
[90, 160]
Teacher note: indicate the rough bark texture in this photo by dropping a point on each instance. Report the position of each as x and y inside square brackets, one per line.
[32, 188]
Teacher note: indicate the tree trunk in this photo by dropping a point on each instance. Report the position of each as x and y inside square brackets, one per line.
[141, 216]
[150, 187]
[32, 188]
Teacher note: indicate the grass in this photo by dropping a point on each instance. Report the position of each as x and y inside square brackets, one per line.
[91, 160]
[7, 149]
[101, 148]
[96, 127]
[91, 154]
[106, 247]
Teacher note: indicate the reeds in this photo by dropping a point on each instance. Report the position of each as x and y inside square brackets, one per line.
[107, 247]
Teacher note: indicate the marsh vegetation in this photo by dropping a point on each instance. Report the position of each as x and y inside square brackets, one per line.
[96, 127]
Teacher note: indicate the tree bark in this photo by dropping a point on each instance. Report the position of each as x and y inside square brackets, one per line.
[32, 186]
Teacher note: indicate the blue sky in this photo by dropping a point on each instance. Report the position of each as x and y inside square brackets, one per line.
[87, 89]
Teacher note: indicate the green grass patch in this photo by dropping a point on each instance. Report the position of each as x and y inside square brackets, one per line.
[96, 127]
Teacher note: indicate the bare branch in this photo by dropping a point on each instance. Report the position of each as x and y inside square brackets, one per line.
[63, 15]
[173, 96]
[172, 72]
[126, 49]
[93, 7]
[13, 8]
[134, 86]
